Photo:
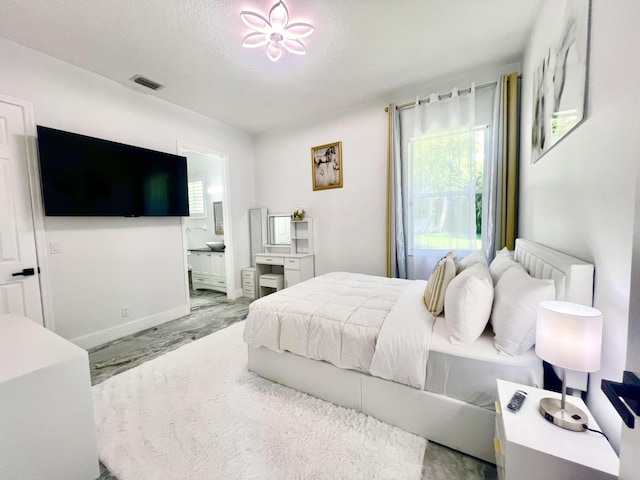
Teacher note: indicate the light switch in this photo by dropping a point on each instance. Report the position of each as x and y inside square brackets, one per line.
[55, 247]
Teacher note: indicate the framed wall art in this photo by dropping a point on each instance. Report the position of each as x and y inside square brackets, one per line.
[326, 166]
[560, 76]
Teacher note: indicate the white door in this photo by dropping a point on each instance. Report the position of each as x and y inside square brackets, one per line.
[19, 279]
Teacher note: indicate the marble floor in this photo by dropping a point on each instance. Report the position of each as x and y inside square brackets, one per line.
[210, 312]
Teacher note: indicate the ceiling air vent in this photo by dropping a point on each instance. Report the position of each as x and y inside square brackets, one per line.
[145, 82]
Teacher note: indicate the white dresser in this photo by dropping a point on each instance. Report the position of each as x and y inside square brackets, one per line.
[47, 428]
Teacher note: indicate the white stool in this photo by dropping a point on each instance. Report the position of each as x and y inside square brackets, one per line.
[271, 280]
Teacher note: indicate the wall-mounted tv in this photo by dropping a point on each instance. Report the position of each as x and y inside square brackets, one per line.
[86, 176]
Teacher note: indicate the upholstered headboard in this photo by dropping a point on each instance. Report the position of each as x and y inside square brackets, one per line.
[572, 276]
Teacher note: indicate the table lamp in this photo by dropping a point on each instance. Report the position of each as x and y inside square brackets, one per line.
[568, 336]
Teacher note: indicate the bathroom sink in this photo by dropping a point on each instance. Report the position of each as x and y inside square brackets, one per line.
[216, 246]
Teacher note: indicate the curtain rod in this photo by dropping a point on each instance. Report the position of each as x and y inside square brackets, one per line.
[441, 96]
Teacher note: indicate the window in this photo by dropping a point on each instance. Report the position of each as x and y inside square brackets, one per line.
[446, 170]
[195, 190]
[445, 189]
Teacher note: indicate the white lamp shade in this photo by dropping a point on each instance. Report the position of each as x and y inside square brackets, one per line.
[569, 335]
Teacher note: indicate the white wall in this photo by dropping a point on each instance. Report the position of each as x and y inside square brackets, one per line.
[579, 197]
[626, 22]
[349, 222]
[630, 449]
[107, 263]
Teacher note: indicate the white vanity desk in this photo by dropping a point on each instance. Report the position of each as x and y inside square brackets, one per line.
[294, 267]
[288, 259]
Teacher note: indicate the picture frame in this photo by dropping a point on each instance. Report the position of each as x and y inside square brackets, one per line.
[560, 77]
[326, 166]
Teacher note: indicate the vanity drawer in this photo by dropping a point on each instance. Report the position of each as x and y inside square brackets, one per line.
[207, 281]
[292, 263]
[249, 292]
[271, 260]
[248, 274]
[203, 279]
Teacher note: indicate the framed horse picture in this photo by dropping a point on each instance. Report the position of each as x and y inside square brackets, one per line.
[326, 166]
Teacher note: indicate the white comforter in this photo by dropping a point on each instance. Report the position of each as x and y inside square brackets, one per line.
[372, 324]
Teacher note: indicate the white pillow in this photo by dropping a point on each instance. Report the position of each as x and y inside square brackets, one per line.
[467, 303]
[437, 284]
[503, 262]
[471, 259]
[515, 308]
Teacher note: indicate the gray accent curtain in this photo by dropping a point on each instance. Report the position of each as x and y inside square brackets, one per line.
[396, 244]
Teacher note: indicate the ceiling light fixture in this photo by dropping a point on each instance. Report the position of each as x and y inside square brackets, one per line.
[276, 32]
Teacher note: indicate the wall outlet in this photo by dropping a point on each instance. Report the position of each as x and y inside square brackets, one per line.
[125, 311]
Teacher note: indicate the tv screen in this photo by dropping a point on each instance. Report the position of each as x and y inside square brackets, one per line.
[86, 176]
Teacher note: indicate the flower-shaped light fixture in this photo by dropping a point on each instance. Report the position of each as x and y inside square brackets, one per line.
[276, 32]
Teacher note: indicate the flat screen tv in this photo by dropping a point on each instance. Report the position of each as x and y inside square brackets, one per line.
[86, 176]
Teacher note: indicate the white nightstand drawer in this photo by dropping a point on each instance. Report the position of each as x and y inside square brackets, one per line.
[248, 282]
[292, 263]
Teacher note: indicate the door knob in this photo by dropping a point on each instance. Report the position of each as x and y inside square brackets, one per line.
[27, 272]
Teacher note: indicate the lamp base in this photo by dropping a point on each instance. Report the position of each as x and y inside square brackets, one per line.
[571, 417]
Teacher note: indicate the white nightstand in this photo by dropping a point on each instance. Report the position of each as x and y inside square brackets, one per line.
[529, 447]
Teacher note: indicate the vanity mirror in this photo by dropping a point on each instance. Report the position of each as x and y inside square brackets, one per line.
[280, 229]
[217, 218]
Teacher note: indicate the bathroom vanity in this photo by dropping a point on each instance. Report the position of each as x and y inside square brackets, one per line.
[207, 269]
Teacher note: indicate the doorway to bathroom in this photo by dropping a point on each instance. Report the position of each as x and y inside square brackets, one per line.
[207, 231]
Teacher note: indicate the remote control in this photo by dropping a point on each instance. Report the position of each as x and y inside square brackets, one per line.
[516, 401]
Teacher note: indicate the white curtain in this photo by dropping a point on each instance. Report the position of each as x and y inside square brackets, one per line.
[444, 180]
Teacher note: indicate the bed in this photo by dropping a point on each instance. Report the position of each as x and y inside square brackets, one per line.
[446, 393]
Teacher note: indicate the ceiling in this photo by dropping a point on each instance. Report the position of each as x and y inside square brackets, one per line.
[362, 51]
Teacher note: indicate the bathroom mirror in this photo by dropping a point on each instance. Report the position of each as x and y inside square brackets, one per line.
[217, 218]
[280, 229]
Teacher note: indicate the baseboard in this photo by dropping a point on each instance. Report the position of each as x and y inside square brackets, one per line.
[235, 294]
[98, 338]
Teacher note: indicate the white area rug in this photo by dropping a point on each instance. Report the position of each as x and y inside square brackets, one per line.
[198, 413]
